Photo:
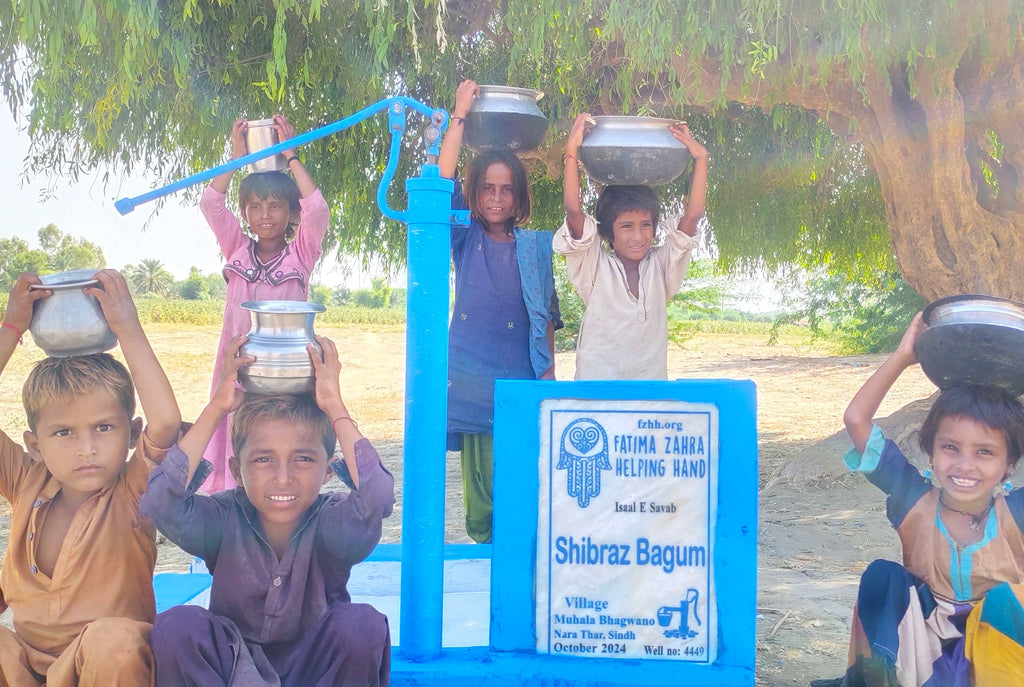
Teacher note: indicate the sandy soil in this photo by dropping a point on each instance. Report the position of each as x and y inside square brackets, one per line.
[815, 539]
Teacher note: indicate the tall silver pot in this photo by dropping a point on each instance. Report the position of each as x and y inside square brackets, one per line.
[278, 338]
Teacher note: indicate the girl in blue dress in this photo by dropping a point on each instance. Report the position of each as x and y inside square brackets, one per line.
[506, 310]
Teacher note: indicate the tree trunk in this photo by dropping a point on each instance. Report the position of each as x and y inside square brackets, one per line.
[954, 206]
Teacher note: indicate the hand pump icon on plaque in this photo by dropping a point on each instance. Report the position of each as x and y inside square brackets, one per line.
[683, 631]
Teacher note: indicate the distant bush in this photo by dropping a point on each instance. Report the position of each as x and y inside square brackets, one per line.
[861, 318]
[321, 295]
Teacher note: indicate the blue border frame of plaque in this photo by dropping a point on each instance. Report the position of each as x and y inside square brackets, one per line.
[516, 484]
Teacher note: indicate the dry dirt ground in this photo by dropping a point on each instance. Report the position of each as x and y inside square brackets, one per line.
[818, 527]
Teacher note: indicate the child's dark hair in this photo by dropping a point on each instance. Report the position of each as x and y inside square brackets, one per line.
[520, 184]
[265, 185]
[614, 200]
[256, 409]
[992, 406]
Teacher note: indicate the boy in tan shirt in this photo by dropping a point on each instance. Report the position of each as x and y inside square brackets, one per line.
[79, 563]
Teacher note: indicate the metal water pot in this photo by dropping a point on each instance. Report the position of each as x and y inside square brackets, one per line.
[973, 339]
[278, 338]
[262, 134]
[68, 322]
[632, 150]
[505, 117]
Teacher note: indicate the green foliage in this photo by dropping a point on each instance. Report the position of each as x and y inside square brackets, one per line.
[65, 252]
[341, 296]
[863, 317]
[196, 287]
[218, 288]
[571, 306]
[377, 296]
[58, 252]
[16, 257]
[787, 191]
[319, 294]
[149, 276]
[155, 86]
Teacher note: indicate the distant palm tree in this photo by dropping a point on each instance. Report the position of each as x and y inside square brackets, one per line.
[150, 277]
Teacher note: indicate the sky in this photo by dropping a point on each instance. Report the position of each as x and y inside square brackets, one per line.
[177, 235]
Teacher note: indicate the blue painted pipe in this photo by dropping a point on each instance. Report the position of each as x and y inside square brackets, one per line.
[126, 205]
[426, 413]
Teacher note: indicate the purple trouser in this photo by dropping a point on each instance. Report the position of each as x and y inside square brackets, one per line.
[350, 646]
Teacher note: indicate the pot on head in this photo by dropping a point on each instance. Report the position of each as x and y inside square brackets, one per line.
[632, 150]
[260, 135]
[69, 322]
[973, 339]
[278, 338]
[505, 117]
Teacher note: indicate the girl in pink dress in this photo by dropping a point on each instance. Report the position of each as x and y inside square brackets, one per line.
[286, 219]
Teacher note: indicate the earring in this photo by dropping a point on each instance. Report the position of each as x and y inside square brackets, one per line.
[928, 474]
[1007, 486]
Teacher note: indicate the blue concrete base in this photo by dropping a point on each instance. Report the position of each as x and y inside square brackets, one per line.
[482, 667]
[467, 660]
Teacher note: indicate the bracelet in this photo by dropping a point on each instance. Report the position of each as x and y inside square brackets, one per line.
[345, 417]
[567, 156]
[460, 120]
[293, 158]
[16, 330]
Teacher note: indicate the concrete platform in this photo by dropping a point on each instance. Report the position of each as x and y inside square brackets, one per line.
[378, 582]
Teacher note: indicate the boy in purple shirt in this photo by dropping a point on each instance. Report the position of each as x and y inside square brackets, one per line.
[280, 552]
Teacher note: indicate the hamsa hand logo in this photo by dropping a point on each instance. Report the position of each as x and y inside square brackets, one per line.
[583, 453]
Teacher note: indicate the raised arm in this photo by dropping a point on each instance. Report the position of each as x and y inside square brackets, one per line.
[238, 129]
[699, 186]
[155, 393]
[18, 314]
[571, 182]
[448, 158]
[328, 397]
[285, 132]
[861, 411]
[225, 399]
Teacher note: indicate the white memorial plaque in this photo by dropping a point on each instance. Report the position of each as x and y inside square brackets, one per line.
[626, 525]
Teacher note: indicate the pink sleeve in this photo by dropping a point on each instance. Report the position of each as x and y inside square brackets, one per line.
[225, 225]
[313, 222]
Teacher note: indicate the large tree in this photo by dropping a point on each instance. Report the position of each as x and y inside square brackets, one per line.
[922, 99]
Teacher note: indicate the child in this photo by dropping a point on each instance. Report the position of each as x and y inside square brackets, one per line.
[280, 552]
[506, 310]
[78, 572]
[624, 333]
[268, 265]
[960, 544]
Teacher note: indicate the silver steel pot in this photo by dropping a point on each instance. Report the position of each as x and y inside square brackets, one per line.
[278, 338]
[973, 339]
[68, 322]
[261, 134]
[505, 117]
[632, 150]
